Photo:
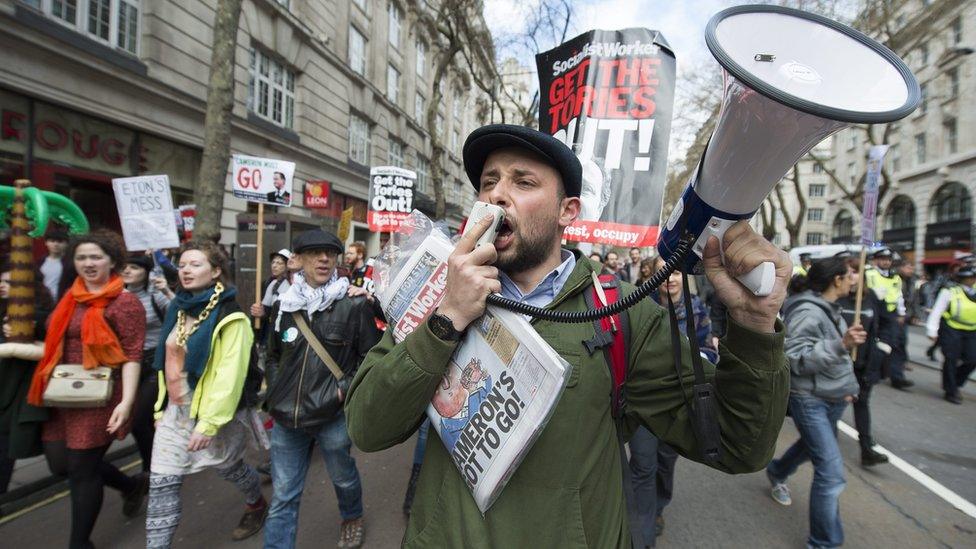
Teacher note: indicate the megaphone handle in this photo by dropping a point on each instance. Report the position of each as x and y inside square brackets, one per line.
[759, 280]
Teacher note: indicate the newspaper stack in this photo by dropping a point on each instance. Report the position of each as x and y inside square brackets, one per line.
[502, 384]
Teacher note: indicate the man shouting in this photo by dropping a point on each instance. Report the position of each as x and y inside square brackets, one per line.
[568, 491]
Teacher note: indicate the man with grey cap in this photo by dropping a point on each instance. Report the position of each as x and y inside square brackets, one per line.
[318, 338]
[568, 490]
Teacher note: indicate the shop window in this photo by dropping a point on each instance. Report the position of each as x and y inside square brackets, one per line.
[359, 140]
[271, 90]
[900, 213]
[113, 22]
[951, 202]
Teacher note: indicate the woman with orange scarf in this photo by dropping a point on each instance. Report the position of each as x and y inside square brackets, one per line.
[94, 324]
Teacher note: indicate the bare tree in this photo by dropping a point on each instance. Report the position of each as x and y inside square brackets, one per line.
[209, 193]
[465, 50]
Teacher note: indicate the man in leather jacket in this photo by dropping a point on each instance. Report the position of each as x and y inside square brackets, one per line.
[305, 393]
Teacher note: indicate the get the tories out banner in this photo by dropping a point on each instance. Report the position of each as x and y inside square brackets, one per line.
[609, 96]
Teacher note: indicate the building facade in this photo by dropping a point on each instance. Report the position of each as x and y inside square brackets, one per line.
[96, 89]
[814, 182]
[926, 215]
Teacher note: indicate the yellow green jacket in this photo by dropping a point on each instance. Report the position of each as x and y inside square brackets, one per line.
[218, 392]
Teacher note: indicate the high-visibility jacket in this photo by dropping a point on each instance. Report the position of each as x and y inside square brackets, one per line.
[961, 314]
[887, 288]
[799, 270]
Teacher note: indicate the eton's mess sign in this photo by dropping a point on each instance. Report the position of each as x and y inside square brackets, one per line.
[609, 95]
[390, 197]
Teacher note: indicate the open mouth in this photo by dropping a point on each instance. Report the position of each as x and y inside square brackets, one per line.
[506, 234]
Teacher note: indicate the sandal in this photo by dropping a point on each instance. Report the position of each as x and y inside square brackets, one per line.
[351, 533]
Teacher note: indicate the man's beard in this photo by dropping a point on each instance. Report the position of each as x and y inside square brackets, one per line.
[527, 253]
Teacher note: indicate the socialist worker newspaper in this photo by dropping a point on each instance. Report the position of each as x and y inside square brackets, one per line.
[501, 386]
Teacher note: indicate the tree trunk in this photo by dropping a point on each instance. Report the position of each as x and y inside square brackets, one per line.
[437, 170]
[209, 194]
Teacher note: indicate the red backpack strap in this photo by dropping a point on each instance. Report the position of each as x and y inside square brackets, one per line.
[612, 335]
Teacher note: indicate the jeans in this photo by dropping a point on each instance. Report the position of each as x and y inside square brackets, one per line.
[652, 466]
[421, 447]
[816, 420]
[959, 350]
[291, 450]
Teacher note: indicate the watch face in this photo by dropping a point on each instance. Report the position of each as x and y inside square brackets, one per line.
[443, 328]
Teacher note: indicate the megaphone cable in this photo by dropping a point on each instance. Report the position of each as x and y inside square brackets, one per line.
[579, 317]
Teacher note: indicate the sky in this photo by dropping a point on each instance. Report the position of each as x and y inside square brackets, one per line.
[682, 22]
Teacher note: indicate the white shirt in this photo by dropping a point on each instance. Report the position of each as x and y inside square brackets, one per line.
[52, 269]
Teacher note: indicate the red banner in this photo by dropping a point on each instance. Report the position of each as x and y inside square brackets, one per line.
[615, 234]
[317, 194]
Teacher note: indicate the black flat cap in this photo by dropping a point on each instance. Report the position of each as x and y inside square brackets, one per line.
[487, 139]
[883, 252]
[316, 239]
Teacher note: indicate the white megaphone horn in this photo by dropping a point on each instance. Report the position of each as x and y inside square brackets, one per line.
[791, 79]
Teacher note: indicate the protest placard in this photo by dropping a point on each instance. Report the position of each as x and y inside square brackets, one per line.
[262, 180]
[390, 197]
[609, 95]
[146, 212]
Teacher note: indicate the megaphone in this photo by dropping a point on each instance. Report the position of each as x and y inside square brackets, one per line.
[792, 78]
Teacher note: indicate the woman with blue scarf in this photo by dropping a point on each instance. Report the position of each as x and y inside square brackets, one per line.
[202, 414]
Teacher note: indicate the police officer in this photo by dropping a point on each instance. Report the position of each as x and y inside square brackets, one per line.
[805, 262]
[953, 322]
[886, 285]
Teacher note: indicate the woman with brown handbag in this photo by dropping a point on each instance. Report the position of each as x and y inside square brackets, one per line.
[95, 324]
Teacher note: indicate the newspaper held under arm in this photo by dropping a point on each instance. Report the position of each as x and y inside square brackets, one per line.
[504, 380]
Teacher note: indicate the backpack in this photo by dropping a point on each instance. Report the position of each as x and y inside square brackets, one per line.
[612, 334]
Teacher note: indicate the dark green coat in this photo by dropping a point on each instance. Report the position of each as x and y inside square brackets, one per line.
[567, 492]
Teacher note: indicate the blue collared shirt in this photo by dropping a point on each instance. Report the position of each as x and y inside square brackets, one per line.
[548, 289]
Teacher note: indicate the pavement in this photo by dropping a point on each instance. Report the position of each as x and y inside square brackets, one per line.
[881, 506]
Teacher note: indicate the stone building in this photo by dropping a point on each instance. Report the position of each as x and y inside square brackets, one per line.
[96, 89]
[927, 214]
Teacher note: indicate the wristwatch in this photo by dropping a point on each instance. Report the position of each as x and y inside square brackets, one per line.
[443, 327]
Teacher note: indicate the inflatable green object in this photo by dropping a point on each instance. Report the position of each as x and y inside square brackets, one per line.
[42, 206]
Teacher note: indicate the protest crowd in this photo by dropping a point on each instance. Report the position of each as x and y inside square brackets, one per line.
[197, 385]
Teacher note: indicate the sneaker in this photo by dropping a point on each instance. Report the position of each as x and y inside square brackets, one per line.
[132, 502]
[780, 492]
[351, 533]
[955, 399]
[870, 458]
[252, 521]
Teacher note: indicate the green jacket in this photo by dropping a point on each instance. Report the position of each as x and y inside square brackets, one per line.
[568, 490]
[218, 393]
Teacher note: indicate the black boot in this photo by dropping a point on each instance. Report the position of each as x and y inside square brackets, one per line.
[411, 489]
[870, 458]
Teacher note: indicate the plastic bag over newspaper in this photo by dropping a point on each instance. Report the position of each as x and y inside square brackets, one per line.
[504, 380]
